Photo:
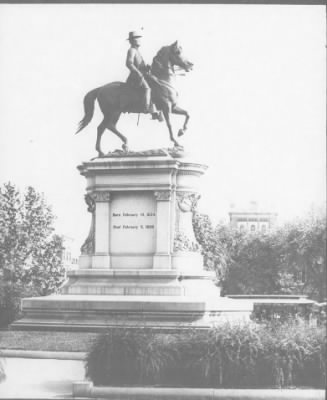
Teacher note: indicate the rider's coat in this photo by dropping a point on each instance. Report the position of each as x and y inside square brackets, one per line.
[137, 67]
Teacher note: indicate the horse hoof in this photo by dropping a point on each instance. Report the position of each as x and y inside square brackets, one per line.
[180, 132]
[100, 154]
[125, 147]
[177, 146]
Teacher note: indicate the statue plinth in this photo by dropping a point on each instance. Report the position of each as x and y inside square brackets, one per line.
[140, 264]
[141, 211]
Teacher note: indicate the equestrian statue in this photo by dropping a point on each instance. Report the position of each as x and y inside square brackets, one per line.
[148, 89]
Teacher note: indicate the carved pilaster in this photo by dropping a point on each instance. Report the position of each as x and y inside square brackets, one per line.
[162, 257]
[162, 195]
[101, 197]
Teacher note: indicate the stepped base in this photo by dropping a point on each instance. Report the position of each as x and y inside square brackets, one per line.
[140, 282]
[92, 313]
[140, 264]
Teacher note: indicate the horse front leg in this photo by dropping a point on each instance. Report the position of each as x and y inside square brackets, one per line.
[180, 111]
[166, 114]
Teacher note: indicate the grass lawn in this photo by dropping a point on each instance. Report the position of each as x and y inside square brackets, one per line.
[47, 341]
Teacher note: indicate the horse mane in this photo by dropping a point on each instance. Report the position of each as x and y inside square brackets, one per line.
[162, 52]
[161, 60]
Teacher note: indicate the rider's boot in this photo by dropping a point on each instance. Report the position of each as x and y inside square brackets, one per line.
[150, 108]
[157, 115]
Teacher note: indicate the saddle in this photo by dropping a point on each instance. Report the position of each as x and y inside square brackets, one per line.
[132, 99]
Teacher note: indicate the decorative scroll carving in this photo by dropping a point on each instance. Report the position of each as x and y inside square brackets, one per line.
[88, 246]
[187, 201]
[184, 239]
[162, 195]
[89, 202]
[101, 196]
[183, 243]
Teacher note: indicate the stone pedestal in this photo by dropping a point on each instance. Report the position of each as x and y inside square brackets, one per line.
[140, 264]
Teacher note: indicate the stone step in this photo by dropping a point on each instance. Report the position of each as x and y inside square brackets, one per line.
[140, 273]
[123, 289]
[101, 312]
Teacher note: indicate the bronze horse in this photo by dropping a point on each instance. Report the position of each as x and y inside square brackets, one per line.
[117, 97]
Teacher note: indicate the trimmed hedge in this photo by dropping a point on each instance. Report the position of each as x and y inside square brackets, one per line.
[282, 312]
[228, 355]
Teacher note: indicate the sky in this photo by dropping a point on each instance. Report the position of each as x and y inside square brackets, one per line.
[256, 96]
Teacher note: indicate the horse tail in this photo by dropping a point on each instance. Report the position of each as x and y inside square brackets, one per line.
[89, 101]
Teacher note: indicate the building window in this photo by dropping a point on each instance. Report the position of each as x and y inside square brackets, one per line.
[241, 227]
[252, 228]
[303, 276]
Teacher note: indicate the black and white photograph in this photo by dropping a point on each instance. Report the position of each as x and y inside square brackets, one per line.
[163, 201]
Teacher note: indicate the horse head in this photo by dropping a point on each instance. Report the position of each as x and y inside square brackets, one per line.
[165, 60]
[177, 57]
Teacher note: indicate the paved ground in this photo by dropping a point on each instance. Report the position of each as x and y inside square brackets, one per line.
[30, 378]
[35, 378]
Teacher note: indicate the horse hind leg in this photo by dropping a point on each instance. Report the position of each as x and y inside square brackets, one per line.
[101, 128]
[111, 125]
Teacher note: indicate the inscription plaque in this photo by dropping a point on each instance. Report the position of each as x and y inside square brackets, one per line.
[132, 223]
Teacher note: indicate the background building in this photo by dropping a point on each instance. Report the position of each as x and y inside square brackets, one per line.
[70, 253]
[252, 218]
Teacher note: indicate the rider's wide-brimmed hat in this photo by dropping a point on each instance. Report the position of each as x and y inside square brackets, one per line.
[134, 35]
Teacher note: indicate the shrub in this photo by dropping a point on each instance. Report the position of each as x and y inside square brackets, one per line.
[2, 371]
[10, 300]
[228, 355]
[130, 356]
[296, 353]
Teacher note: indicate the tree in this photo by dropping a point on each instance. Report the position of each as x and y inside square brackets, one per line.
[290, 260]
[303, 254]
[214, 251]
[243, 263]
[254, 264]
[30, 254]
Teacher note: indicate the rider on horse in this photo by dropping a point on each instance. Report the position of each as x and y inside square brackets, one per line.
[139, 72]
[116, 98]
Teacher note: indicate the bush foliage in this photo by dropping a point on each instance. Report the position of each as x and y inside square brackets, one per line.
[228, 355]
